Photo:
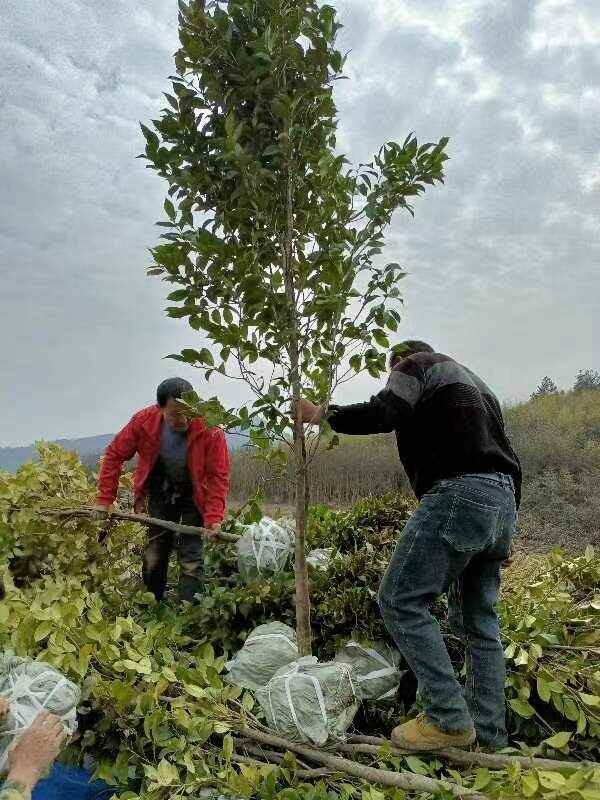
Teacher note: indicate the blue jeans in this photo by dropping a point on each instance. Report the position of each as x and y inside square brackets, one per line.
[455, 542]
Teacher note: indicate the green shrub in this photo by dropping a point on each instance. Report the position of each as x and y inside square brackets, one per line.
[551, 628]
[159, 713]
[556, 432]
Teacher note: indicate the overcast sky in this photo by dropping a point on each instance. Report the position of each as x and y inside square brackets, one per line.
[503, 259]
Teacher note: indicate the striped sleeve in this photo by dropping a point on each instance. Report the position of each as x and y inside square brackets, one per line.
[386, 411]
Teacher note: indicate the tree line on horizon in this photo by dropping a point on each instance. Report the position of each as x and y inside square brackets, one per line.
[586, 380]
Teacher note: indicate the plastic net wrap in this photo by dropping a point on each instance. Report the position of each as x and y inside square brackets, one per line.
[264, 547]
[320, 558]
[268, 648]
[311, 702]
[31, 687]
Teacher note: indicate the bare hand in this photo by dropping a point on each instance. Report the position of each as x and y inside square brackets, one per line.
[310, 413]
[4, 706]
[35, 750]
[213, 530]
[99, 515]
[140, 506]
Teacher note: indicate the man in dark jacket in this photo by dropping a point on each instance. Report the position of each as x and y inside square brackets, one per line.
[182, 474]
[457, 456]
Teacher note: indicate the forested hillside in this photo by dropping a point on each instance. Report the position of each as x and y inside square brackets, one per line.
[557, 437]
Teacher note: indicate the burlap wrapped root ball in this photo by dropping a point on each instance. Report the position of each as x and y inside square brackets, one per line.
[376, 667]
[311, 702]
[268, 648]
[264, 548]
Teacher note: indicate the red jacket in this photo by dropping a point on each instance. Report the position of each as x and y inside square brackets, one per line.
[208, 462]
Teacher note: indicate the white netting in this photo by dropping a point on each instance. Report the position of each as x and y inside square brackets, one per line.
[264, 547]
[31, 687]
[320, 558]
[375, 666]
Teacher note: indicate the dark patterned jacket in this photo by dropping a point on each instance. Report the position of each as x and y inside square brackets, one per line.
[447, 422]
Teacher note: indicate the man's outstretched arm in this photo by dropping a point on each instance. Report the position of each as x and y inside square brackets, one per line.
[386, 411]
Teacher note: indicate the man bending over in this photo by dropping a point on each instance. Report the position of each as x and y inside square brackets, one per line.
[457, 456]
[182, 474]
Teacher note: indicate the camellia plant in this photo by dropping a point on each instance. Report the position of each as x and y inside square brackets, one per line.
[273, 237]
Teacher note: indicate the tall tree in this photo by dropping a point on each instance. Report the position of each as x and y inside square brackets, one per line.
[274, 238]
[545, 387]
[586, 380]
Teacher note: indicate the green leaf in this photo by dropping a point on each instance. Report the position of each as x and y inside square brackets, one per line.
[416, 765]
[559, 740]
[590, 699]
[206, 357]
[381, 339]
[482, 779]
[522, 708]
[180, 294]
[543, 689]
[43, 630]
[529, 784]
[169, 674]
[169, 209]
[522, 658]
[551, 780]
[194, 691]
[227, 747]
[151, 137]
[166, 773]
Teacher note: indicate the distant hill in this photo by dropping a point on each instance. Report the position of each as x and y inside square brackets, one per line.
[86, 448]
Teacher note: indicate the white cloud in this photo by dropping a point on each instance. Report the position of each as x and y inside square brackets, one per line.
[501, 260]
[564, 24]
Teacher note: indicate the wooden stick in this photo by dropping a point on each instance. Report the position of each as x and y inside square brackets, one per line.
[373, 745]
[306, 774]
[128, 516]
[254, 749]
[402, 780]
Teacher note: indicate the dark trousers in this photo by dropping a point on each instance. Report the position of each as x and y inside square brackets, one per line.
[161, 542]
[455, 542]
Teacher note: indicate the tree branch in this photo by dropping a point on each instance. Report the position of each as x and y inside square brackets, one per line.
[373, 745]
[401, 780]
[127, 516]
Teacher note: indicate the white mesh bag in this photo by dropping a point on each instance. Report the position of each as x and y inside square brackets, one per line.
[30, 687]
[263, 548]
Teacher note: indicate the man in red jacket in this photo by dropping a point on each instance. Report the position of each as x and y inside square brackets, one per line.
[182, 475]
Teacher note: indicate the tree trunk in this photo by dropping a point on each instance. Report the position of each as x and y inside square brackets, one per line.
[303, 631]
[300, 571]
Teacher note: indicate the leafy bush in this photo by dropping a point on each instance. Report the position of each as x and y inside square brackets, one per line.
[159, 716]
[556, 432]
[552, 631]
